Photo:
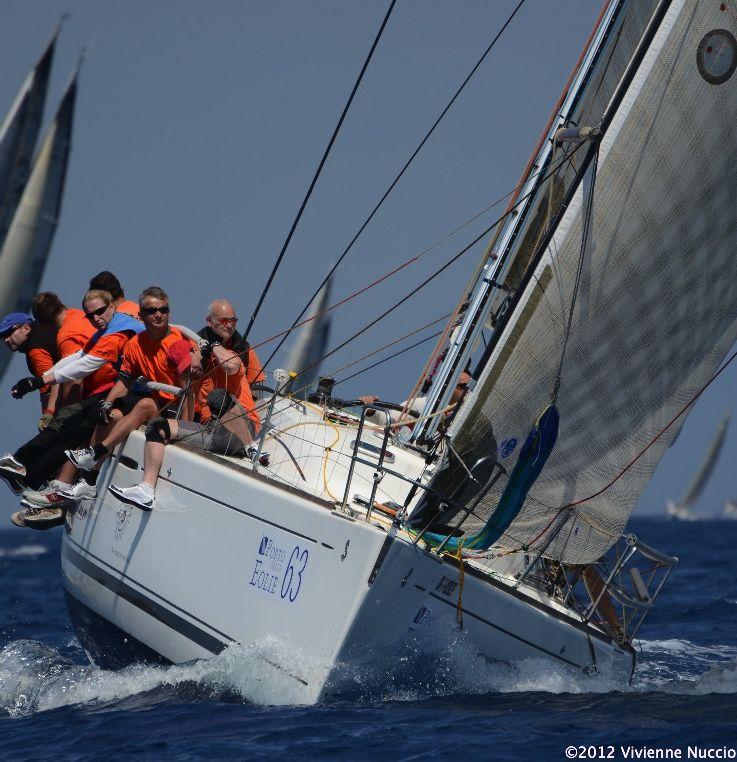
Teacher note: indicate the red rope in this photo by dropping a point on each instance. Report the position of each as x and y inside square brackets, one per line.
[634, 460]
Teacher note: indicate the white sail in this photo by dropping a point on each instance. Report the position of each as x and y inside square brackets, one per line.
[28, 242]
[312, 341]
[660, 311]
[18, 135]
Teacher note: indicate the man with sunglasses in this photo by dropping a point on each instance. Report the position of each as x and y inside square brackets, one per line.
[220, 332]
[147, 354]
[37, 341]
[95, 365]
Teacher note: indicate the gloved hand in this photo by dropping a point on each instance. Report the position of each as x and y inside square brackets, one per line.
[103, 412]
[206, 348]
[44, 421]
[26, 385]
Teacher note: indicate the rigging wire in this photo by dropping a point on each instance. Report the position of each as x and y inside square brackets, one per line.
[317, 172]
[397, 178]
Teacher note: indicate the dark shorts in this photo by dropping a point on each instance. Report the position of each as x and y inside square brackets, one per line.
[127, 402]
[214, 436]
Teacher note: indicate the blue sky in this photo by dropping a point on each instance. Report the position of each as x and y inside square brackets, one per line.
[199, 126]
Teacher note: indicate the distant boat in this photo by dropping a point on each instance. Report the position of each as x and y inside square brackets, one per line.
[683, 510]
[312, 341]
[28, 241]
[730, 510]
[18, 135]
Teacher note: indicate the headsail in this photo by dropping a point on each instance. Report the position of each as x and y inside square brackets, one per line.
[27, 244]
[18, 135]
[660, 306]
[312, 341]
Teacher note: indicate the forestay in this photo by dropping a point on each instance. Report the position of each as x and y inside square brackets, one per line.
[657, 307]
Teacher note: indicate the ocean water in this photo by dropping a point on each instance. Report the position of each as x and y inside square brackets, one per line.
[683, 696]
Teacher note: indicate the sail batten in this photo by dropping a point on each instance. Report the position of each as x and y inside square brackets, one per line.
[660, 311]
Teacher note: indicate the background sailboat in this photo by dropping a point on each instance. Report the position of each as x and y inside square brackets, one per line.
[28, 242]
[683, 509]
[312, 341]
[18, 134]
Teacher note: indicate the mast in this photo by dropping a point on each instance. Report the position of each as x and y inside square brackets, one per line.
[489, 293]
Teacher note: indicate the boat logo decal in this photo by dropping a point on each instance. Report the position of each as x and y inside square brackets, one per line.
[507, 447]
[345, 552]
[446, 586]
[422, 616]
[278, 571]
[121, 521]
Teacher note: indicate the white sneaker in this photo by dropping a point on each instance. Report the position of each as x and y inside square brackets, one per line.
[83, 459]
[48, 497]
[79, 491]
[141, 495]
[10, 467]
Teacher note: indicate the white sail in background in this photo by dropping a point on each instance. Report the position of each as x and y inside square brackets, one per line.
[27, 244]
[18, 135]
[312, 341]
[682, 510]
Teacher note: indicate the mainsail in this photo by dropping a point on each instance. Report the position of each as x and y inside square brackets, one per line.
[657, 307]
[18, 135]
[312, 341]
[27, 244]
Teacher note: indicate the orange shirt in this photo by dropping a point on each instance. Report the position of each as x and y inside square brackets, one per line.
[39, 360]
[109, 348]
[129, 308]
[236, 384]
[74, 332]
[255, 373]
[143, 356]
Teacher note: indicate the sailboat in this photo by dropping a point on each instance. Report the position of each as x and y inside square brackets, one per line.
[18, 134]
[312, 340]
[682, 510]
[34, 189]
[611, 293]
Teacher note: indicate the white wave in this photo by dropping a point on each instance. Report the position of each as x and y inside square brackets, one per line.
[35, 677]
[23, 551]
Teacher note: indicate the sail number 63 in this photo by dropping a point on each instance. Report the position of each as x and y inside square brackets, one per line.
[292, 581]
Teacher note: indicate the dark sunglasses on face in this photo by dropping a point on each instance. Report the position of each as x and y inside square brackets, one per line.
[153, 310]
[462, 387]
[99, 312]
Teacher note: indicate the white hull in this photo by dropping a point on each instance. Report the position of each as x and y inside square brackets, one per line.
[228, 556]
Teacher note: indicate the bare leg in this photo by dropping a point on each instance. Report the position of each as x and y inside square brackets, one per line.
[153, 457]
[234, 422]
[68, 473]
[142, 412]
[594, 586]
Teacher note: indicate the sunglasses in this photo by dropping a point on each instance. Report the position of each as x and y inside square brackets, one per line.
[98, 312]
[154, 310]
[225, 322]
[462, 387]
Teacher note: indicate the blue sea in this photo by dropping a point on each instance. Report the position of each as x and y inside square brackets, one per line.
[54, 704]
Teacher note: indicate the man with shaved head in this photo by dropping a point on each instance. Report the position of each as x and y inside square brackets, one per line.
[220, 330]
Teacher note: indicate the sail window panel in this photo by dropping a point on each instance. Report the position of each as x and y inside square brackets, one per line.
[656, 314]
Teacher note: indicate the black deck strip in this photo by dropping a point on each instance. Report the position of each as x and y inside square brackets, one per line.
[239, 510]
[577, 623]
[466, 612]
[222, 461]
[154, 609]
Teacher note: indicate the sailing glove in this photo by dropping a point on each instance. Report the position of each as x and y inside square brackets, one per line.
[44, 421]
[26, 385]
[206, 348]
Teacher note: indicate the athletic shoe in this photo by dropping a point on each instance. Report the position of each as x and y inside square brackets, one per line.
[79, 491]
[18, 518]
[48, 497]
[10, 467]
[41, 518]
[83, 459]
[140, 495]
[15, 486]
